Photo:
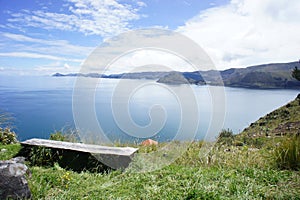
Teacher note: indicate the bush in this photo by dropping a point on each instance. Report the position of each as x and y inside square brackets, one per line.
[226, 133]
[58, 136]
[68, 135]
[226, 137]
[7, 136]
[287, 154]
[42, 156]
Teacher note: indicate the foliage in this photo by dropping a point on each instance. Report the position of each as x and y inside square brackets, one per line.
[42, 156]
[226, 137]
[241, 173]
[9, 151]
[296, 73]
[282, 121]
[58, 136]
[7, 136]
[287, 154]
[226, 133]
[172, 182]
[68, 135]
[256, 142]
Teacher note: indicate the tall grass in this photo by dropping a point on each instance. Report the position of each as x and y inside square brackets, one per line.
[67, 135]
[228, 172]
[287, 154]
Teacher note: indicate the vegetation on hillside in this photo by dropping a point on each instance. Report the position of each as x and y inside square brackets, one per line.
[7, 136]
[283, 121]
[260, 163]
[287, 153]
[296, 73]
[229, 172]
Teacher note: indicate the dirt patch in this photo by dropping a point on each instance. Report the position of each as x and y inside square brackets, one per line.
[287, 128]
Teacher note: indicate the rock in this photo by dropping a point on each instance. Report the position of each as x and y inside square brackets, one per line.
[3, 150]
[13, 182]
[149, 142]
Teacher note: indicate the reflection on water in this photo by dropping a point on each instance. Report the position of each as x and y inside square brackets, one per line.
[44, 104]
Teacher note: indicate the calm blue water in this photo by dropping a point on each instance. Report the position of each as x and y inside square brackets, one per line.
[42, 105]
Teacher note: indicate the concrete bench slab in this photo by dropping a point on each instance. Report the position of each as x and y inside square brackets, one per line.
[114, 157]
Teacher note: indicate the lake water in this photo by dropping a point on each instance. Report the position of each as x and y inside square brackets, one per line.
[42, 105]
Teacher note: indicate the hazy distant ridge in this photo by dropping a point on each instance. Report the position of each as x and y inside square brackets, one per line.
[267, 76]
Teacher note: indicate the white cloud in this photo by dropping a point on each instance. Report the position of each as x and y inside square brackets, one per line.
[99, 17]
[67, 66]
[46, 69]
[37, 56]
[248, 32]
[56, 48]
[141, 4]
[148, 60]
[54, 68]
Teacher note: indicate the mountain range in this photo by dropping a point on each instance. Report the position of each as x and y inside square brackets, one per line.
[267, 76]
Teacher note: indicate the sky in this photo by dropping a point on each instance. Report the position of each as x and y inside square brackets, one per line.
[42, 37]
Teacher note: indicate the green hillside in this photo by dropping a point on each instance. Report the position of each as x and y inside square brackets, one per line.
[283, 121]
[262, 76]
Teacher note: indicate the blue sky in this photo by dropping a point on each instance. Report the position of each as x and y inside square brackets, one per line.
[43, 37]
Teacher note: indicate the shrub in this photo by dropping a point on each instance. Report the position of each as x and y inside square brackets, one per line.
[7, 136]
[58, 136]
[42, 156]
[226, 133]
[296, 73]
[68, 135]
[287, 154]
[226, 137]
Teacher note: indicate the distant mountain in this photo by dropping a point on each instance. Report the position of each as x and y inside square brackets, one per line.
[133, 75]
[92, 75]
[261, 76]
[182, 78]
[173, 78]
[268, 76]
[140, 75]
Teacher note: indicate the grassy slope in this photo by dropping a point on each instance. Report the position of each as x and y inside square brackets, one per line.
[285, 120]
[238, 174]
[231, 172]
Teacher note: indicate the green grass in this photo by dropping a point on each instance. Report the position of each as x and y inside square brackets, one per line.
[277, 122]
[9, 151]
[287, 154]
[238, 173]
[172, 182]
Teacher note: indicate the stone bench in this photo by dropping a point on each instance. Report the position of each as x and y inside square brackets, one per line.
[113, 157]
